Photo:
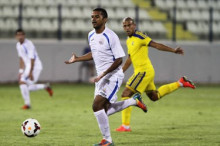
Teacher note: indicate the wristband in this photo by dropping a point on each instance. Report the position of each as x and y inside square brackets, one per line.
[21, 70]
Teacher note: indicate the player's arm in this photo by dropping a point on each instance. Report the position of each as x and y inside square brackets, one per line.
[163, 47]
[75, 58]
[21, 65]
[21, 68]
[114, 65]
[30, 76]
[127, 64]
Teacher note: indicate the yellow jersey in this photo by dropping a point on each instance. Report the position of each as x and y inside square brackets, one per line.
[138, 51]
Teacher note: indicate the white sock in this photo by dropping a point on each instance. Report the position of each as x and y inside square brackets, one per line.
[36, 87]
[180, 84]
[126, 127]
[103, 123]
[119, 106]
[25, 94]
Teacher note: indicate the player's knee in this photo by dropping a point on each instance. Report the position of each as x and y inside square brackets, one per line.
[153, 96]
[100, 103]
[124, 95]
[21, 82]
[96, 106]
[127, 93]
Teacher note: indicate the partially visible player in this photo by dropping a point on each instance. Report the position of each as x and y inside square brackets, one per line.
[30, 68]
[107, 53]
[143, 78]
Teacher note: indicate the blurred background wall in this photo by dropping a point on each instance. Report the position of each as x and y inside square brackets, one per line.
[200, 62]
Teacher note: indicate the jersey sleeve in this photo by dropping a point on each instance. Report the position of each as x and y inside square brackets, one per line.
[31, 50]
[116, 47]
[147, 40]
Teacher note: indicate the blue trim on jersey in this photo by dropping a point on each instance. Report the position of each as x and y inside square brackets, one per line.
[140, 80]
[150, 42]
[139, 36]
[107, 38]
[25, 49]
[113, 92]
[113, 58]
[109, 45]
[91, 36]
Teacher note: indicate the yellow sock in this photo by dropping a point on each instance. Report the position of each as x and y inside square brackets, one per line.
[126, 114]
[168, 88]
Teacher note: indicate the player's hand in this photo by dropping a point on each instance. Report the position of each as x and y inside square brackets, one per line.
[72, 59]
[19, 76]
[30, 76]
[96, 79]
[179, 50]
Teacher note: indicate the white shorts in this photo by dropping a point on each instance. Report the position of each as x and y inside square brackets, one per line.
[108, 86]
[36, 75]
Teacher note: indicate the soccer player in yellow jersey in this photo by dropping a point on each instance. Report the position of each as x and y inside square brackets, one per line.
[143, 78]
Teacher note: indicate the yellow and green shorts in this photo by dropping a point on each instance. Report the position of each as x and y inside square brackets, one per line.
[141, 82]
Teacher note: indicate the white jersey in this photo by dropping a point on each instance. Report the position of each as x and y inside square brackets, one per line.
[27, 51]
[105, 49]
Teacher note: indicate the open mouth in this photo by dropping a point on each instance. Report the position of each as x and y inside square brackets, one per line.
[94, 22]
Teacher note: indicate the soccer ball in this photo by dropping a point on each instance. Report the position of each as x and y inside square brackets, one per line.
[30, 127]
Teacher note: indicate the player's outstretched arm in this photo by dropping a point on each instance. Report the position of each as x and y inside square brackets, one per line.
[74, 58]
[127, 64]
[114, 65]
[163, 47]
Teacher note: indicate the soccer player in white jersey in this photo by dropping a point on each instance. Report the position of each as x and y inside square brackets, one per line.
[30, 68]
[107, 53]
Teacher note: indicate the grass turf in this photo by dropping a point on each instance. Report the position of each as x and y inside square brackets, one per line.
[184, 118]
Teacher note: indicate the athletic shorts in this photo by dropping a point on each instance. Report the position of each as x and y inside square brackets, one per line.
[36, 75]
[108, 86]
[141, 82]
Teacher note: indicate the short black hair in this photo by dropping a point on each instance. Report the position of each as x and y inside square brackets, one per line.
[129, 19]
[103, 12]
[19, 30]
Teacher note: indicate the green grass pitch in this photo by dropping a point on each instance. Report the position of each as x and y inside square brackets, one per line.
[184, 118]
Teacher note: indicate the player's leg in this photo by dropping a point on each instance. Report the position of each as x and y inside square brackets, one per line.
[106, 95]
[34, 87]
[24, 92]
[126, 113]
[105, 91]
[137, 82]
[100, 106]
[111, 91]
[120, 105]
[155, 95]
